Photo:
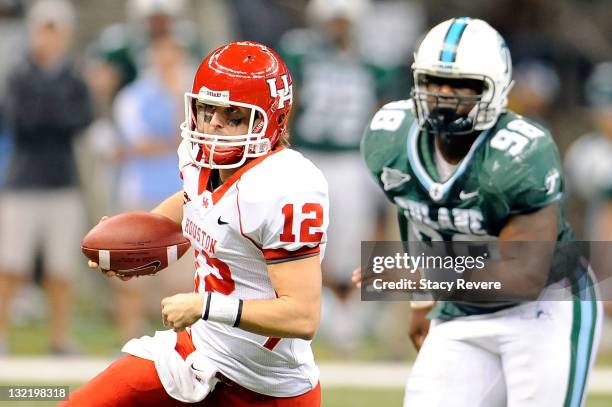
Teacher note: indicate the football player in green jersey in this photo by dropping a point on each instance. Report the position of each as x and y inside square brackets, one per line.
[461, 167]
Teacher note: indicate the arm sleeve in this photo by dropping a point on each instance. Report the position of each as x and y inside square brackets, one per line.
[287, 222]
[527, 182]
[376, 149]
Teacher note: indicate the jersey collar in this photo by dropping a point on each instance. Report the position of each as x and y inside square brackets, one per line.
[437, 190]
[218, 193]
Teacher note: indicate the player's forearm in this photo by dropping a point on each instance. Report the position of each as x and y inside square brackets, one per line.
[526, 245]
[282, 317]
[520, 278]
[601, 247]
[171, 207]
[295, 313]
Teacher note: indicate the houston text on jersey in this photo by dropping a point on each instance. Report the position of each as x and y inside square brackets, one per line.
[199, 235]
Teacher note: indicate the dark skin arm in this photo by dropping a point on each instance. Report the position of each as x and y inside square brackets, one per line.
[601, 253]
[526, 246]
[537, 226]
[531, 259]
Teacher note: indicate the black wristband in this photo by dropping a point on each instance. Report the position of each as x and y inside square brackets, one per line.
[206, 307]
[239, 314]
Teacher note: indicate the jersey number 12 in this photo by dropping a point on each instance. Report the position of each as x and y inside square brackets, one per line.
[311, 222]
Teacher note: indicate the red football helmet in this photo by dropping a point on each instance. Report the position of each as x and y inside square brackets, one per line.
[239, 74]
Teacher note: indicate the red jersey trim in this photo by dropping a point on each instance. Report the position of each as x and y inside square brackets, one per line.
[277, 255]
[271, 343]
[219, 192]
[203, 180]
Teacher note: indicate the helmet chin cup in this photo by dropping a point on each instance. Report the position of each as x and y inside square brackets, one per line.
[446, 121]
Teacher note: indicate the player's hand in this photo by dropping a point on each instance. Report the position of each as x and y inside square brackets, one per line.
[356, 277]
[418, 326]
[182, 310]
[107, 273]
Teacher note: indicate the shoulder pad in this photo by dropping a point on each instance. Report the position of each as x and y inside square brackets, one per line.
[522, 164]
[407, 104]
[384, 140]
[287, 173]
[515, 137]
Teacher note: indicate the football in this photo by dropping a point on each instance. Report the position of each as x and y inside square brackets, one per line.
[135, 243]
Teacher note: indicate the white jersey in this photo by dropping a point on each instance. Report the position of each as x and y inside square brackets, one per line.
[273, 209]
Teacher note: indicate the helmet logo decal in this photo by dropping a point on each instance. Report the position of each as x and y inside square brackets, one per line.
[284, 94]
[451, 41]
[505, 53]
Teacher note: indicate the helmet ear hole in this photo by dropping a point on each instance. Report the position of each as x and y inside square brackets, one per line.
[281, 118]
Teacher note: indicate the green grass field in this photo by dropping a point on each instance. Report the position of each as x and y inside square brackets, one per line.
[352, 397]
[95, 335]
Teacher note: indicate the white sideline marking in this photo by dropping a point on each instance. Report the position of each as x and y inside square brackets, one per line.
[24, 370]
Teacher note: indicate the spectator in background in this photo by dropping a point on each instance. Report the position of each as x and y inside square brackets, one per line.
[125, 46]
[388, 36]
[147, 114]
[589, 170]
[115, 59]
[138, 90]
[95, 156]
[537, 30]
[12, 32]
[535, 91]
[47, 105]
[263, 21]
[337, 92]
[589, 159]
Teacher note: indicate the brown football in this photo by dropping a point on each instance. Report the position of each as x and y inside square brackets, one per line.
[135, 243]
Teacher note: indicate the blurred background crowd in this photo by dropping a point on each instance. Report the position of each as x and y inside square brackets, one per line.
[91, 96]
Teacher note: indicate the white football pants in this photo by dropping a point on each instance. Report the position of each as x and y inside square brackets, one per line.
[532, 355]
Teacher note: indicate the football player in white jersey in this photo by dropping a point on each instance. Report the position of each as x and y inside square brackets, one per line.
[256, 213]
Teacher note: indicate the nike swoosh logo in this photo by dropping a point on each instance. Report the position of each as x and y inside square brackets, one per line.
[467, 195]
[146, 269]
[222, 222]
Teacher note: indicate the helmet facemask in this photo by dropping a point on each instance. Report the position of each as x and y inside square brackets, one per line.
[453, 114]
[223, 151]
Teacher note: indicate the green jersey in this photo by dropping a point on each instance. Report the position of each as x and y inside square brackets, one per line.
[337, 92]
[512, 168]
